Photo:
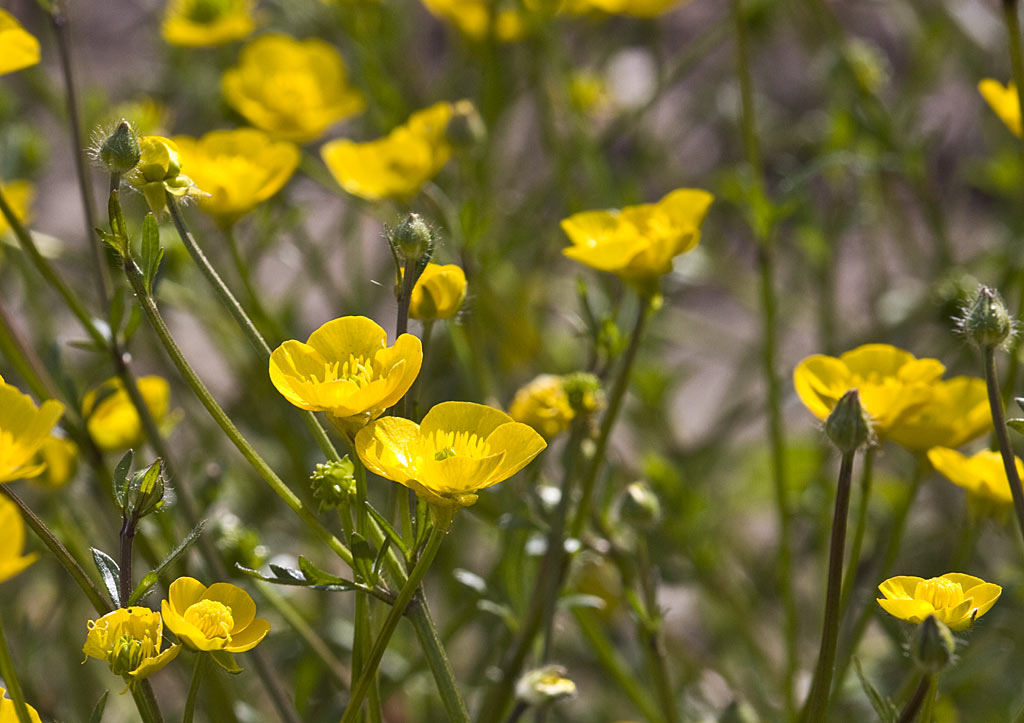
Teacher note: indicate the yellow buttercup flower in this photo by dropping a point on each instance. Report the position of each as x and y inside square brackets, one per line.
[474, 18]
[292, 89]
[238, 169]
[438, 293]
[982, 475]
[397, 165]
[20, 48]
[23, 428]
[1003, 100]
[129, 639]
[893, 384]
[954, 598]
[12, 541]
[19, 195]
[219, 617]
[111, 417]
[159, 171]
[956, 412]
[639, 242]
[60, 455]
[457, 450]
[203, 23]
[9, 715]
[544, 405]
[346, 369]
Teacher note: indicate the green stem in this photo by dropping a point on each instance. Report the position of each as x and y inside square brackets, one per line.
[817, 702]
[405, 595]
[11, 679]
[438, 662]
[1005, 448]
[362, 631]
[242, 269]
[910, 710]
[198, 672]
[1012, 22]
[850, 579]
[930, 698]
[145, 701]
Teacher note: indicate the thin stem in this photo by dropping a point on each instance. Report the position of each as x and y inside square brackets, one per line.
[1005, 448]
[198, 673]
[850, 579]
[909, 712]
[395, 614]
[930, 698]
[817, 702]
[1012, 22]
[361, 636]
[650, 629]
[437, 660]
[145, 701]
[11, 679]
[127, 538]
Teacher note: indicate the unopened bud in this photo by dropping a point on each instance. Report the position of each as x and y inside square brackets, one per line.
[120, 151]
[933, 646]
[413, 240]
[544, 685]
[334, 483]
[848, 426]
[142, 493]
[639, 507]
[985, 320]
[584, 392]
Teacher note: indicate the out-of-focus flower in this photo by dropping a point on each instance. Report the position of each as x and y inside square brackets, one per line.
[346, 369]
[12, 541]
[129, 640]
[9, 715]
[544, 685]
[159, 172]
[636, 8]
[639, 242]
[203, 23]
[111, 417]
[292, 89]
[19, 195]
[893, 384]
[474, 18]
[457, 450]
[544, 405]
[438, 293]
[23, 428]
[397, 165]
[238, 169]
[957, 412]
[219, 617]
[20, 47]
[954, 598]
[1003, 100]
[588, 91]
[981, 475]
[60, 455]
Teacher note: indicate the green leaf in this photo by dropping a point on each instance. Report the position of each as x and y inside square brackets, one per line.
[151, 578]
[121, 472]
[290, 576]
[377, 563]
[116, 315]
[389, 529]
[152, 252]
[134, 319]
[118, 227]
[884, 708]
[110, 572]
[1020, 402]
[225, 660]
[315, 575]
[363, 555]
[97, 711]
[1016, 424]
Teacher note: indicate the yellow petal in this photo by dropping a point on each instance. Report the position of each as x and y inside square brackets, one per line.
[1003, 100]
[340, 338]
[520, 442]
[385, 447]
[20, 48]
[291, 366]
[478, 419]
[183, 593]
[984, 596]
[458, 475]
[242, 607]
[156, 662]
[913, 611]
[901, 587]
[819, 381]
[248, 638]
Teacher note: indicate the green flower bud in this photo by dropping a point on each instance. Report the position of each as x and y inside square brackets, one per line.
[639, 507]
[985, 321]
[933, 646]
[120, 151]
[413, 240]
[848, 426]
[334, 483]
[584, 393]
[145, 492]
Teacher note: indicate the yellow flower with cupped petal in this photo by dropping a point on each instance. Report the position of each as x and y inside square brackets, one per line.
[639, 242]
[438, 293]
[219, 617]
[12, 542]
[129, 640]
[893, 383]
[292, 89]
[23, 429]
[19, 195]
[1003, 100]
[346, 369]
[8, 714]
[954, 598]
[982, 475]
[159, 172]
[457, 450]
[60, 455]
[397, 165]
[238, 169]
[474, 18]
[20, 47]
[956, 412]
[205, 23]
[112, 419]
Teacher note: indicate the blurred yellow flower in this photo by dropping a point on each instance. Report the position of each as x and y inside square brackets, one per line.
[60, 455]
[12, 541]
[219, 617]
[1003, 100]
[20, 48]
[346, 369]
[474, 18]
[9, 715]
[954, 598]
[457, 450]
[23, 428]
[397, 165]
[981, 475]
[111, 417]
[544, 405]
[159, 171]
[956, 412]
[129, 639]
[639, 242]
[637, 8]
[19, 195]
[438, 293]
[292, 89]
[203, 23]
[893, 384]
[238, 169]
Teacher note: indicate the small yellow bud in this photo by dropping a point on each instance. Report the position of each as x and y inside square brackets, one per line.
[848, 426]
[159, 172]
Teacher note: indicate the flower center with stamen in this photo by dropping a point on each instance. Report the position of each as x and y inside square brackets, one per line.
[358, 370]
[128, 653]
[940, 592]
[212, 618]
[442, 445]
